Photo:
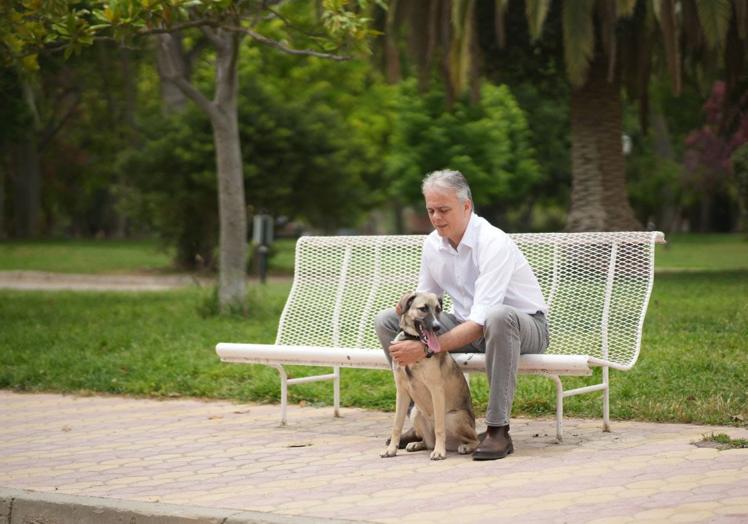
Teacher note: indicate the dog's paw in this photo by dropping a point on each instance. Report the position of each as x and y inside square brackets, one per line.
[438, 455]
[391, 451]
[466, 449]
[415, 446]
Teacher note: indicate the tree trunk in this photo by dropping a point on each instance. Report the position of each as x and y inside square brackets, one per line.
[598, 194]
[232, 264]
[28, 180]
[224, 118]
[232, 212]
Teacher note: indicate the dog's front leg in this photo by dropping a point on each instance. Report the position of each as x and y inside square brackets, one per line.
[440, 415]
[401, 411]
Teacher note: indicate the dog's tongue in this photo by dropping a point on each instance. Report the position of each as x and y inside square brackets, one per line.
[432, 341]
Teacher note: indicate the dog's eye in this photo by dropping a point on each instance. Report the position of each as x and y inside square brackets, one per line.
[423, 308]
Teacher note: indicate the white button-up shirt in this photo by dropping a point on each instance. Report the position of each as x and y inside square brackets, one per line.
[487, 269]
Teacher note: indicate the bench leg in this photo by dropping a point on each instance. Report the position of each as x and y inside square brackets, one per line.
[559, 407]
[336, 391]
[606, 400]
[284, 394]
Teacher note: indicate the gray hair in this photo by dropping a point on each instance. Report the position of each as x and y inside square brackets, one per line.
[448, 179]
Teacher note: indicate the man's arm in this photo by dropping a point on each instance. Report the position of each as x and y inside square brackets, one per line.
[411, 351]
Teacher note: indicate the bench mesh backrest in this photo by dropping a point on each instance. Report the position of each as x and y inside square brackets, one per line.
[341, 283]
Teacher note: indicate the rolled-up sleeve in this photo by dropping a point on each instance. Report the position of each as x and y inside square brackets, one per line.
[495, 265]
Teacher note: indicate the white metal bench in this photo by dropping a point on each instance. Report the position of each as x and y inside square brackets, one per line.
[597, 286]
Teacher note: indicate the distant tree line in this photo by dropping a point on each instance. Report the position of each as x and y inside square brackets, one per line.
[105, 141]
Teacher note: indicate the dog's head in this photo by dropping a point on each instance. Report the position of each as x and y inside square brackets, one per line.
[419, 313]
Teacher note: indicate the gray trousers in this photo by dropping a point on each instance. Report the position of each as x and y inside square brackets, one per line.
[507, 334]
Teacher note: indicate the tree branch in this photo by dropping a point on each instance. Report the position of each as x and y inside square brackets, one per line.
[293, 26]
[289, 50]
[54, 127]
[171, 73]
[178, 27]
[211, 35]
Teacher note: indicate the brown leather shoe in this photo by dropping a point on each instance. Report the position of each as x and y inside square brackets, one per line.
[406, 438]
[496, 445]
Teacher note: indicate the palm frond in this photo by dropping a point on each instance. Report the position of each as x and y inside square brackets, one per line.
[694, 36]
[536, 12]
[499, 23]
[579, 39]
[741, 14]
[657, 8]
[625, 8]
[714, 16]
[608, 17]
[460, 56]
[415, 12]
[670, 32]
[391, 52]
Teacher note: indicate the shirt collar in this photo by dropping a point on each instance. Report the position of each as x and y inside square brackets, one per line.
[469, 239]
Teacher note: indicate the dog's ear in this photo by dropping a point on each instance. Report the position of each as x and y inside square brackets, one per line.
[405, 302]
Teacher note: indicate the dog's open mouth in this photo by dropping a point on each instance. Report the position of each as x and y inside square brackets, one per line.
[429, 337]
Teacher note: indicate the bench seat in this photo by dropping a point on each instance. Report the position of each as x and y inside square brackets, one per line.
[270, 354]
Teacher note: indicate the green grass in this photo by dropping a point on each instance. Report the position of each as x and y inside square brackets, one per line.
[693, 366]
[698, 252]
[84, 256]
[724, 441]
[157, 344]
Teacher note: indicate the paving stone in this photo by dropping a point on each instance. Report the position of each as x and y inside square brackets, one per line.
[220, 455]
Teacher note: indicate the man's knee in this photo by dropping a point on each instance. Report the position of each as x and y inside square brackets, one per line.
[501, 317]
[386, 321]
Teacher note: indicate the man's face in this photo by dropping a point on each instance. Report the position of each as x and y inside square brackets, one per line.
[448, 214]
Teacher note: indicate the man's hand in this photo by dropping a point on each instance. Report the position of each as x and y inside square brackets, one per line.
[407, 352]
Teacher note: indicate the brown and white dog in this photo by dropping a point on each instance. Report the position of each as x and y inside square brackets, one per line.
[443, 412]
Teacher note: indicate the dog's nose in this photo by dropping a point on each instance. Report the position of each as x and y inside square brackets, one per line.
[436, 326]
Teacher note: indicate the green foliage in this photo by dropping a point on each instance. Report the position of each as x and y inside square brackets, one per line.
[310, 143]
[26, 28]
[172, 185]
[652, 183]
[488, 141]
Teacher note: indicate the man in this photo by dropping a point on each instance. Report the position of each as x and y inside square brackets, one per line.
[498, 306]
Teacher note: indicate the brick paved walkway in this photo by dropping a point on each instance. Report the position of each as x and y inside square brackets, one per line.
[223, 455]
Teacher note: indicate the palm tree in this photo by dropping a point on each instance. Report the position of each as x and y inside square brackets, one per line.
[609, 47]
